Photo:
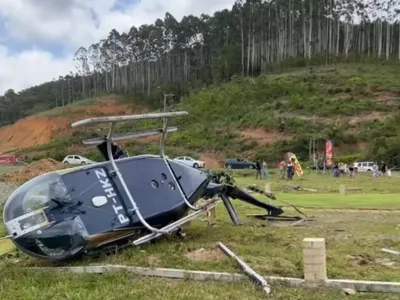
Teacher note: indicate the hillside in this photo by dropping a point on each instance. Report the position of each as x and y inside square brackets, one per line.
[355, 105]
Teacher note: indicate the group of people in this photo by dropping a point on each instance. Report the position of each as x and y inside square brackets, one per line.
[286, 170]
[343, 169]
[352, 170]
[261, 170]
[383, 170]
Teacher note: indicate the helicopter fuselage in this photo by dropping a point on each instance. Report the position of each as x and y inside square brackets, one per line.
[82, 208]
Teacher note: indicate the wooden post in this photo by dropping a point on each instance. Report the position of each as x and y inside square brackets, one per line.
[314, 251]
[211, 216]
[342, 189]
[268, 188]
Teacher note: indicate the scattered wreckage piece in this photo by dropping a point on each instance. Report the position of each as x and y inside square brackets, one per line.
[246, 268]
[390, 251]
[295, 219]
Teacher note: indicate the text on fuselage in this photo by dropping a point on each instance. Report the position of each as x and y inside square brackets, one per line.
[110, 193]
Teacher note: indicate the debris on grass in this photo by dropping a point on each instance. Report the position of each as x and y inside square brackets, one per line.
[32, 170]
[247, 270]
[153, 261]
[310, 190]
[349, 291]
[205, 255]
[390, 251]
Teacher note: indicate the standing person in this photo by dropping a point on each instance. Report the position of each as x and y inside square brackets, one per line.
[258, 169]
[351, 170]
[336, 171]
[375, 171]
[265, 170]
[290, 170]
[389, 172]
[282, 169]
[384, 169]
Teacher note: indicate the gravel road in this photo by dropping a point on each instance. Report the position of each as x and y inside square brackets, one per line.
[5, 191]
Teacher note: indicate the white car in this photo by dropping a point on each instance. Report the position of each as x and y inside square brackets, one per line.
[365, 166]
[76, 160]
[190, 161]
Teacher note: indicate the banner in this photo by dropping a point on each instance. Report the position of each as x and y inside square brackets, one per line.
[297, 167]
[328, 153]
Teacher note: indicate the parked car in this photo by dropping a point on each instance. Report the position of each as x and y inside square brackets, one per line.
[395, 169]
[235, 163]
[364, 166]
[76, 160]
[187, 160]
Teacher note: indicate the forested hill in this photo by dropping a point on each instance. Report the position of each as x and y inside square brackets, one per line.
[254, 37]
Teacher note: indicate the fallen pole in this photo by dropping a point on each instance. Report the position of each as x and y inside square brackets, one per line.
[247, 270]
[390, 251]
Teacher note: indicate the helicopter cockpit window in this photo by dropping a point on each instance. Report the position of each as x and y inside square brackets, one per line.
[36, 194]
[32, 230]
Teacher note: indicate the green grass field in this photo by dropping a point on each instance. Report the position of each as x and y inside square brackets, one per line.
[27, 285]
[356, 226]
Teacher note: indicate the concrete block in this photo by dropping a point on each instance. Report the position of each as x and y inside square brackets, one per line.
[314, 258]
[342, 189]
[268, 188]
[318, 260]
[314, 243]
[313, 252]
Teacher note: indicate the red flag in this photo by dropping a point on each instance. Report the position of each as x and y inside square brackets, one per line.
[328, 153]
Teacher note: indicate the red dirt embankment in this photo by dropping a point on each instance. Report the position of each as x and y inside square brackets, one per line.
[41, 130]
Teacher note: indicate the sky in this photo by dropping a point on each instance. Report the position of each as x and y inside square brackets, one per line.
[38, 38]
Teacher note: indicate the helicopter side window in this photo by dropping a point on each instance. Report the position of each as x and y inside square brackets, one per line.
[36, 198]
[36, 194]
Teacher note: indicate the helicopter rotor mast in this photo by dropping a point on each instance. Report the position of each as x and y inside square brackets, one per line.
[110, 138]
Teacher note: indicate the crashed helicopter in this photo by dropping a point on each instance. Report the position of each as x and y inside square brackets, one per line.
[63, 214]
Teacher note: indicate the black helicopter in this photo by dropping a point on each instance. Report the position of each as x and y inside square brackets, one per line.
[66, 213]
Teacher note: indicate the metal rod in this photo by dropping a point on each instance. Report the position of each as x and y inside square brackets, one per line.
[177, 223]
[231, 210]
[162, 150]
[247, 270]
[135, 209]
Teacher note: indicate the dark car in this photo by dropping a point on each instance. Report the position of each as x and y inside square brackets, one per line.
[395, 169]
[236, 163]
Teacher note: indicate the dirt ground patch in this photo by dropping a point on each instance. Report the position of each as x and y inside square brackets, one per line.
[387, 98]
[205, 255]
[30, 132]
[31, 171]
[153, 260]
[41, 130]
[264, 137]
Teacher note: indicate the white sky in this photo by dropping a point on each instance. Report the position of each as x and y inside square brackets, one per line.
[40, 37]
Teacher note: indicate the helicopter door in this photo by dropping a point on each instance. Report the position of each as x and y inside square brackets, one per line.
[101, 200]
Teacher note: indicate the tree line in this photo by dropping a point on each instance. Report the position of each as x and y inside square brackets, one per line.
[248, 39]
